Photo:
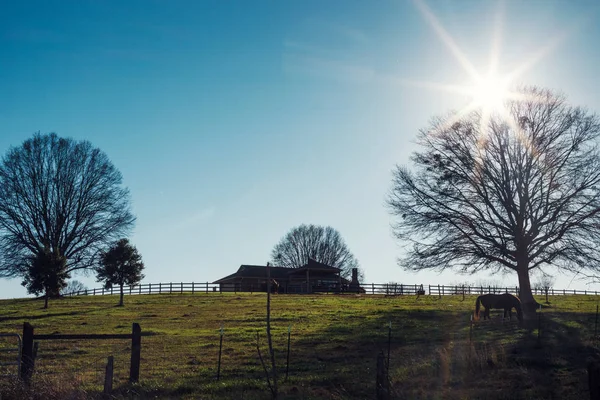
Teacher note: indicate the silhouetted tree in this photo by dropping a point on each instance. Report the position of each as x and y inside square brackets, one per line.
[46, 273]
[509, 192]
[545, 283]
[323, 244]
[60, 194]
[120, 265]
[74, 286]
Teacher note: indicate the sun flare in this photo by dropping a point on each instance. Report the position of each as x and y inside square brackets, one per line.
[490, 93]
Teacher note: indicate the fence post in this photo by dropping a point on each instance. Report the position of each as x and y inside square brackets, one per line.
[372, 288]
[111, 290]
[27, 352]
[108, 377]
[287, 363]
[382, 392]
[471, 330]
[596, 324]
[220, 351]
[192, 287]
[539, 335]
[136, 352]
[439, 292]
[206, 287]
[159, 288]
[181, 287]
[170, 287]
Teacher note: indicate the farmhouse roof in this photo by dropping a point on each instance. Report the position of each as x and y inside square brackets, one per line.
[260, 271]
[315, 265]
[256, 271]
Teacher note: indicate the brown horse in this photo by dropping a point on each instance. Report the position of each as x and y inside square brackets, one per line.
[506, 301]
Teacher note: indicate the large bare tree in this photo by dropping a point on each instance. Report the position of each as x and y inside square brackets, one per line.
[59, 196]
[516, 191]
[322, 244]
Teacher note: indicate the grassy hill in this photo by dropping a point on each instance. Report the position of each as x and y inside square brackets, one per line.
[334, 345]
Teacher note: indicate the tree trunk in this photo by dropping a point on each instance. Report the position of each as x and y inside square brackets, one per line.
[527, 301]
[46, 300]
[121, 298]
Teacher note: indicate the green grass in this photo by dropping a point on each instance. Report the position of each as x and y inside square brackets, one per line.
[335, 342]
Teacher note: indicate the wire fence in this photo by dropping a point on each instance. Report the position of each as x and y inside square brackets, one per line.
[392, 288]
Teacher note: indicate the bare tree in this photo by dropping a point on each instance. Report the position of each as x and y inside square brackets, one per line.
[74, 286]
[120, 265]
[323, 244]
[509, 192]
[62, 195]
[544, 283]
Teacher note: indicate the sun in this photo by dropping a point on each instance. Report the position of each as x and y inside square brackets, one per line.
[490, 93]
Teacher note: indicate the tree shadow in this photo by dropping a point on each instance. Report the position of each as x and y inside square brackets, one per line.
[50, 315]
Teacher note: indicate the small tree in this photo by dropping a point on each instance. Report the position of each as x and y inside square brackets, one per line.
[46, 273]
[120, 265]
[74, 286]
[545, 283]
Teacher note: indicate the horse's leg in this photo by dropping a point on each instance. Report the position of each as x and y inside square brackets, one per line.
[486, 314]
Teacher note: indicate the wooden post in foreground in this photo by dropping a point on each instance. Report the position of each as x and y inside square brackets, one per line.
[27, 352]
[108, 377]
[136, 351]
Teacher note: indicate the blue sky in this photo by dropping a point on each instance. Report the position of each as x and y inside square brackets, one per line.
[232, 122]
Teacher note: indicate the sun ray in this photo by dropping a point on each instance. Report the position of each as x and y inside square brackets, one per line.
[442, 87]
[537, 56]
[446, 38]
[496, 39]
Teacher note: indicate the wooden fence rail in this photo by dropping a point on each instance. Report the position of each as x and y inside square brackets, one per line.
[368, 288]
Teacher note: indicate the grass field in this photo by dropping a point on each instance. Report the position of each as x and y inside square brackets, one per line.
[334, 345]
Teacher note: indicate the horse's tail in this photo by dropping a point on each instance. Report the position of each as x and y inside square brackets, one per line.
[477, 305]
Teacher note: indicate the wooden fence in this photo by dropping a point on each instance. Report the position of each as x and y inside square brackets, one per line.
[28, 352]
[368, 288]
